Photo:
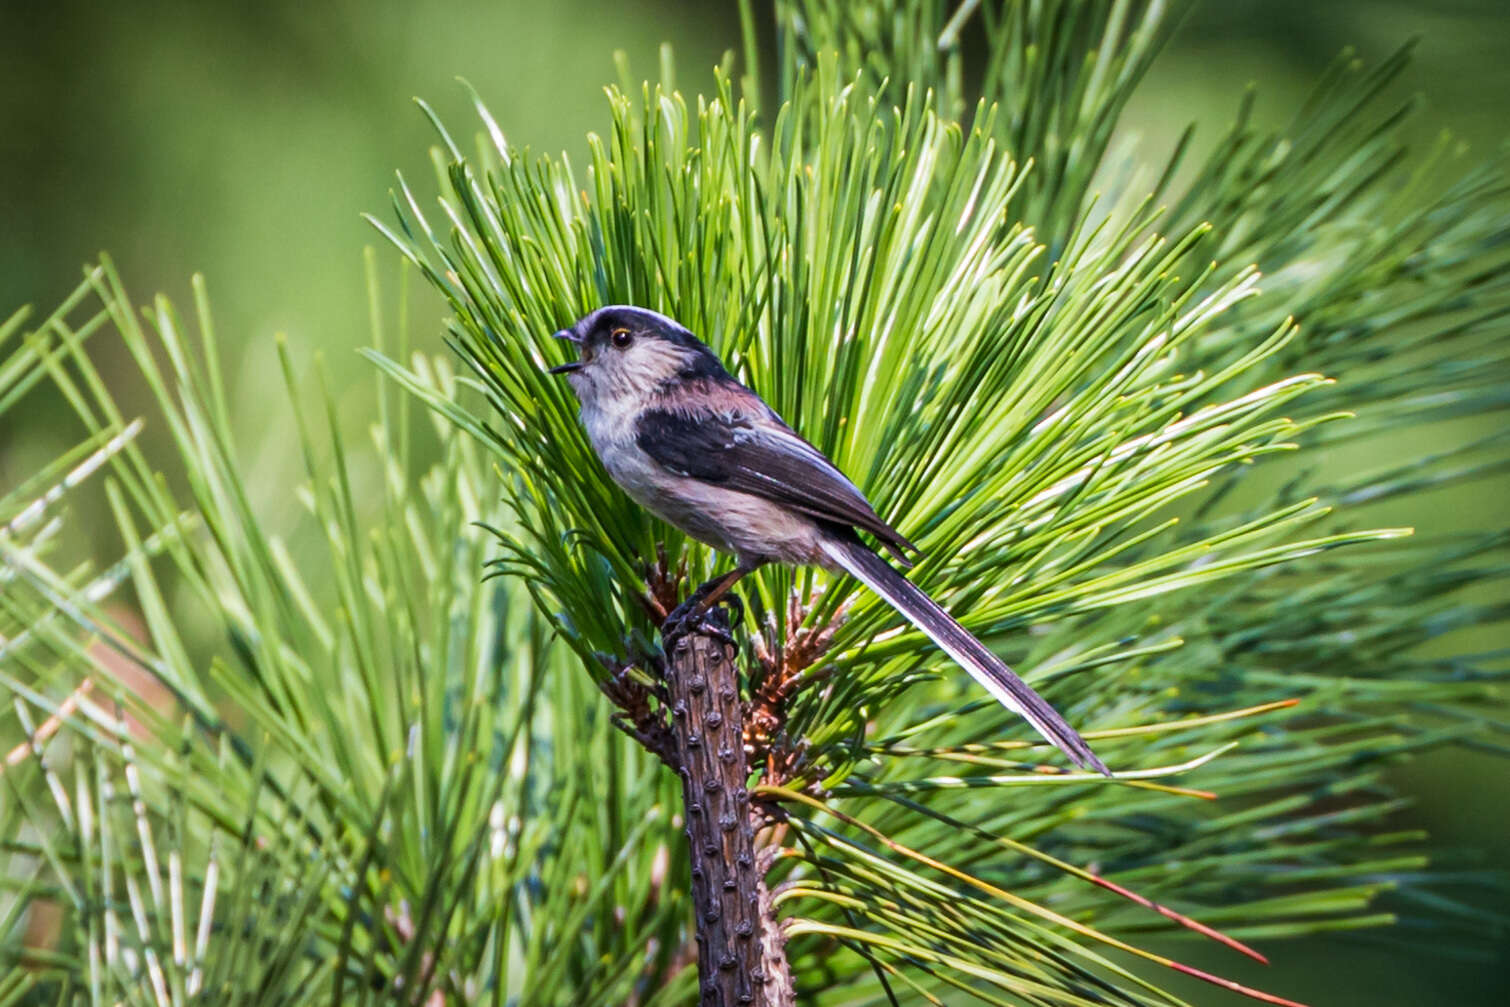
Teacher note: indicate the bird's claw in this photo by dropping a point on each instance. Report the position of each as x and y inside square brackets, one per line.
[735, 617]
[691, 617]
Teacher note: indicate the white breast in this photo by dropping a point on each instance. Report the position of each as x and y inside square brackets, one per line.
[612, 434]
[749, 526]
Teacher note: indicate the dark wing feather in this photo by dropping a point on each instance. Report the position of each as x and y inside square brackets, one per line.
[764, 457]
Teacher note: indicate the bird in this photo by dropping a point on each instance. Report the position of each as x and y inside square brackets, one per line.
[706, 454]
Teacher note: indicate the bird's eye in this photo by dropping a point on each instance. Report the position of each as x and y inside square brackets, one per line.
[621, 338]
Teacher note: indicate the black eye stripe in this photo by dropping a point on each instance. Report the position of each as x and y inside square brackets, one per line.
[621, 338]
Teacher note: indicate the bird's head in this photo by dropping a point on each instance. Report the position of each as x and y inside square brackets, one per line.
[624, 352]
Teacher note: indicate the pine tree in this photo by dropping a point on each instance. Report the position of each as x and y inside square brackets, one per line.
[1106, 393]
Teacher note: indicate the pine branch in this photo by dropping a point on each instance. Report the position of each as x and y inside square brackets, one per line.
[740, 959]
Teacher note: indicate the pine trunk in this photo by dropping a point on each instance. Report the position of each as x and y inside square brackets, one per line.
[741, 955]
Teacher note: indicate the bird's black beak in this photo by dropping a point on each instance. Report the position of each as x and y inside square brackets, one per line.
[575, 365]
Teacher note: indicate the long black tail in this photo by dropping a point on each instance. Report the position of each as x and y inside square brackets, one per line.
[956, 641]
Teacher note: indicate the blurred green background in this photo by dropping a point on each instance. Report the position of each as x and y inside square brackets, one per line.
[243, 141]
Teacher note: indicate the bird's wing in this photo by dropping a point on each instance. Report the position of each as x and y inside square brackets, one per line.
[760, 455]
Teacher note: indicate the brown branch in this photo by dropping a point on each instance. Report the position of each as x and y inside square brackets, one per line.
[741, 952]
[712, 739]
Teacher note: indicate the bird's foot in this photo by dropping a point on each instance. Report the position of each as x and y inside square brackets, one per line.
[692, 616]
[735, 616]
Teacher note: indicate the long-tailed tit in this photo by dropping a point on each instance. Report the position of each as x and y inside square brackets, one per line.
[706, 454]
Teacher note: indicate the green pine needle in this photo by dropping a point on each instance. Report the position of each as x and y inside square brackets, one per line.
[1111, 395]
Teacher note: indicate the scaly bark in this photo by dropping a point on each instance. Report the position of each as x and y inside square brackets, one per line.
[741, 957]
